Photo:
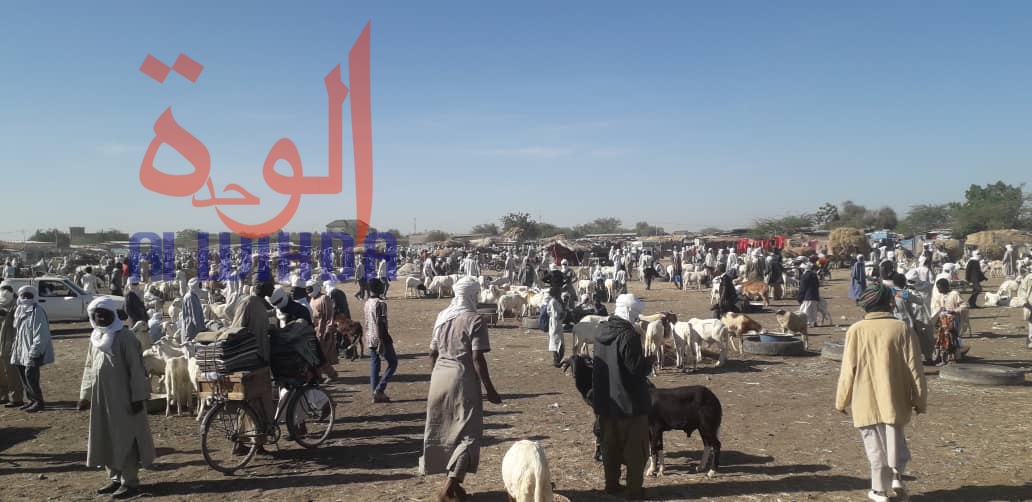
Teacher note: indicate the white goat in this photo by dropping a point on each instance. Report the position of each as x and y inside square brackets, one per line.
[512, 302]
[525, 473]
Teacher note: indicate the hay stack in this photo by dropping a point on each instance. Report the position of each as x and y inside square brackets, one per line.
[991, 242]
[847, 241]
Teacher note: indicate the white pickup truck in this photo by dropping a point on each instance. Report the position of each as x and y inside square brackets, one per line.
[61, 298]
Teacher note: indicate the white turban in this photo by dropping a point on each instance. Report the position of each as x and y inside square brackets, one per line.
[628, 307]
[329, 286]
[25, 306]
[193, 284]
[467, 290]
[103, 337]
[315, 285]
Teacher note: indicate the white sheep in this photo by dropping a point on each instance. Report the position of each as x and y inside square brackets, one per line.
[793, 322]
[525, 473]
[441, 285]
[697, 332]
[412, 285]
[512, 302]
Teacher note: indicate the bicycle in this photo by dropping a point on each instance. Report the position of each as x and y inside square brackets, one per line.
[230, 434]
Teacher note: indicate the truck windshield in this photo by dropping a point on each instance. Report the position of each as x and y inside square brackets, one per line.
[75, 287]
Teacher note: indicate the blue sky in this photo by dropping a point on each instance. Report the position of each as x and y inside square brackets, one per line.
[685, 114]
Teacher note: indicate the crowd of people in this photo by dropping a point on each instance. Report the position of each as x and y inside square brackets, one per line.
[914, 317]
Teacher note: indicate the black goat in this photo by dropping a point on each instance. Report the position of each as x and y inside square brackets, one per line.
[688, 408]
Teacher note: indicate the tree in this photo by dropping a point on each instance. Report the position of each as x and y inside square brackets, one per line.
[54, 235]
[522, 222]
[924, 217]
[826, 215]
[992, 207]
[642, 228]
[851, 215]
[885, 218]
[437, 236]
[787, 225]
[486, 228]
[600, 226]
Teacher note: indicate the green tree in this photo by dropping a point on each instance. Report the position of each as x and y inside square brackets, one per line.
[486, 229]
[54, 235]
[924, 217]
[643, 229]
[852, 215]
[884, 218]
[826, 215]
[787, 225]
[522, 223]
[992, 207]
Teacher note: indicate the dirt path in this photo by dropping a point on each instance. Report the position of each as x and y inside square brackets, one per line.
[782, 439]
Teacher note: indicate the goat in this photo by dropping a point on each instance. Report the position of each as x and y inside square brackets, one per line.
[686, 408]
[696, 332]
[178, 388]
[793, 322]
[757, 289]
[586, 331]
[738, 325]
[525, 473]
[657, 331]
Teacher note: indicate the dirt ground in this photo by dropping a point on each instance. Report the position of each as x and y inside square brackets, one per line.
[782, 439]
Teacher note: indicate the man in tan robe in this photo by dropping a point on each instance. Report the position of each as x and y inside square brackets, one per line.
[120, 437]
[325, 330]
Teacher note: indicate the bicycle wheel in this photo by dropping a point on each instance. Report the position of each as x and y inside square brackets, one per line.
[228, 435]
[310, 416]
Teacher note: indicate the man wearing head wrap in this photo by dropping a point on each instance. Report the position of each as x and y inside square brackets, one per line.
[1025, 295]
[620, 397]
[974, 276]
[116, 381]
[858, 279]
[134, 305]
[192, 317]
[340, 299]
[288, 310]
[325, 329]
[11, 391]
[809, 297]
[1010, 262]
[454, 403]
[32, 346]
[428, 269]
[556, 316]
[883, 381]
[727, 296]
[908, 306]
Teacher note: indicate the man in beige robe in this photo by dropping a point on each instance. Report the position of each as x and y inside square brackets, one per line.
[325, 329]
[120, 437]
[12, 394]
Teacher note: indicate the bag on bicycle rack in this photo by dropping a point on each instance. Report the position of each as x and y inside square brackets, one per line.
[294, 350]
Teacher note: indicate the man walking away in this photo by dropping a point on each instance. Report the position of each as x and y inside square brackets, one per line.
[32, 345]
[621, 398]
[883, 381]
[90, 283]
[379, 342]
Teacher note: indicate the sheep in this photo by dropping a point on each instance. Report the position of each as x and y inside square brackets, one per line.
[525, 473]
[586, 331]
[510, 302]
[610, 289]
[738, 325]
[414, 287]
[532, 301]
[441, 286]
[681, 408]
[585, 287]
[996, 300]
[793, 322]
[177, 384]
[491, 294]
[1009, 288]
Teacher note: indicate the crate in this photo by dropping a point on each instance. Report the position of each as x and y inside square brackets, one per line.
[241, 386]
